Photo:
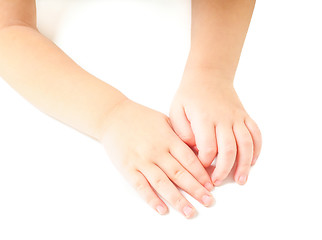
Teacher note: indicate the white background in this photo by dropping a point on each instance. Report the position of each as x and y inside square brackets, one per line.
[56, 183]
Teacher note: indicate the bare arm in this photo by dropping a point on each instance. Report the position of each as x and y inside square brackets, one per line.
[139, 140]
[206, 112]
[46, 76]
[218, 32]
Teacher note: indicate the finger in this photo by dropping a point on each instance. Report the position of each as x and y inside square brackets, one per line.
[205, 140]
[244, 152]
[226, 153]
[186, 157]
[256, 136]
[162, 185]
[142, 186]
[183, 179]
[181, 126]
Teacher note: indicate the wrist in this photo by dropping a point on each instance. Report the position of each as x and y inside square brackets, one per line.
[206, 76]
[198, 62]
[109, 113]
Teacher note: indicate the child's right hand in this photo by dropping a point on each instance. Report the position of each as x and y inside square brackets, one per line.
[142, 144]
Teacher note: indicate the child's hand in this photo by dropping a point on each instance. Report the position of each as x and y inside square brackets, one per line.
[207, 115]
[144, 147]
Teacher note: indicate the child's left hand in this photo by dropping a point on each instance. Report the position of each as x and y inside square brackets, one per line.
[208, 116]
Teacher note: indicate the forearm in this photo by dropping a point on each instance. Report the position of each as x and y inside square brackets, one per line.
[50, 80]
[218, 31]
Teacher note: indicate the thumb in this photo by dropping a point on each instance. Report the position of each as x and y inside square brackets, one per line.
[181, 125]
[205, 138]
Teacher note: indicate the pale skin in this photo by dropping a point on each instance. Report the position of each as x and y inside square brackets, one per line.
[140, 141]
[206, 112]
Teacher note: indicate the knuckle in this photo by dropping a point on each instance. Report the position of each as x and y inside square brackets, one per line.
[197, 192]
[190, 159]
[139, 186]
[211, 152]
[244, 164]
[259, 139]
[159, 182]
[178, 202]
[230, 150]
[246, 142]
[254, 129]
[178, 174]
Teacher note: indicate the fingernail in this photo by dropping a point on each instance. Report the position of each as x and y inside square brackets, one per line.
[217, 183]
[187, 210]
[207, 200]
[242, 179]
[209, 186]
[161, 210]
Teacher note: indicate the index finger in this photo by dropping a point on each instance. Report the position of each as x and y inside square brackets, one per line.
[191, 163]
